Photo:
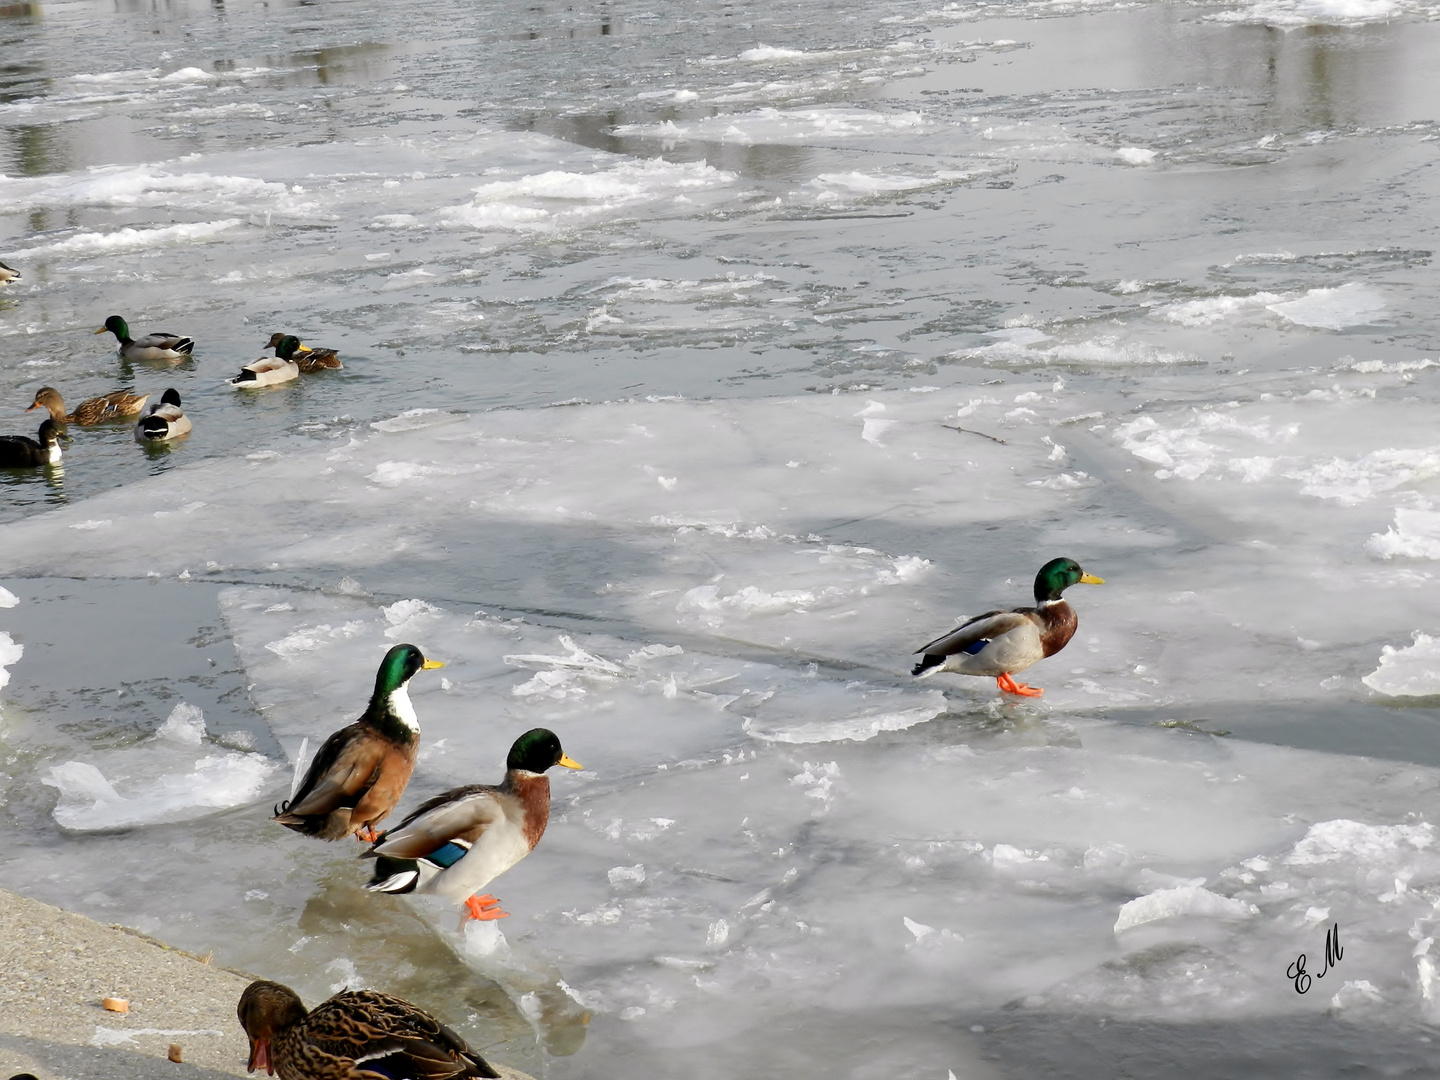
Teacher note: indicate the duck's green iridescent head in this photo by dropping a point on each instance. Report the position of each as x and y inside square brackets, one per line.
[537, 750]
[1057, 575]
[399, 665]
[117, 326]
[287, 346]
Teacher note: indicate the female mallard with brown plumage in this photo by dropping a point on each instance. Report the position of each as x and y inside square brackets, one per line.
[460, 841]
[310, 360]
[1000, 643]
[355, 1035]
[116, 405]
[361, 771]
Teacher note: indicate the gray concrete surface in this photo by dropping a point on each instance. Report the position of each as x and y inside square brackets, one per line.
[56, 967]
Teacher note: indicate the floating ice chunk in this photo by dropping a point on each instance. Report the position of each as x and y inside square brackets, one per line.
[1351, 481]
[578, 659]
[1330, 841]
[415, 419]
[10, 652]
[185, 724]
[874, 429]
[1415, 535]
[406, 616]
[1191, 900]
[130, 239]
[189, 74]
[627, 875]
[1215, 308]
[1135, 155]
[394, 473]
[349, 976]
[7, 598]
[768, 52]
[1290, 13]
[1334, 309]
[859, 728]
[1374, 367]
[1356, 992]
[89, 802]
[310, 638]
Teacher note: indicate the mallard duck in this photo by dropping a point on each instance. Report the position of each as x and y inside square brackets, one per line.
[8, 274]
[458, 842]
[163, 421]
[156, 346]
[22, 452]
[1000, 643]
[310, 360]
[116, 405]
[360, 772]
[267, 371]
[355, 1035]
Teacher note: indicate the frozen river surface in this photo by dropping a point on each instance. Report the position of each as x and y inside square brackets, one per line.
[659, 323]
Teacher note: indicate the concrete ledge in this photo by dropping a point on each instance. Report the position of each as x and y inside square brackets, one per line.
[55, 969]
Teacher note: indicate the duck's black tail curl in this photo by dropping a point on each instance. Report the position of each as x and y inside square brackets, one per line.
[928, 661]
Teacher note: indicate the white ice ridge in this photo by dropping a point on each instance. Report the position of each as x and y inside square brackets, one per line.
[1415, 535]
[89, 802]
[1194, 901]
[10, 652]
[1293, 13]
[1410, 671]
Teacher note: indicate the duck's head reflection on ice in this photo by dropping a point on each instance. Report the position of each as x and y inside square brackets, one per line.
[1000, 643]
[460, 841]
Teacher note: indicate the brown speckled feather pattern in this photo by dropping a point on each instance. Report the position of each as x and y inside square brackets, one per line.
[355, 1035]
[360, 1028]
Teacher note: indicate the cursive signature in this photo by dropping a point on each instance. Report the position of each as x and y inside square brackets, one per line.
[1296, 972]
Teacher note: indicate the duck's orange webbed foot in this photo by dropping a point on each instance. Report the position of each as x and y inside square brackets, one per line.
[1010, 686]
[366, 835]
[484, 908]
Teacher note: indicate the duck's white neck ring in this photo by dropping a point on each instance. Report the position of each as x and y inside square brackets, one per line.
[402, 710]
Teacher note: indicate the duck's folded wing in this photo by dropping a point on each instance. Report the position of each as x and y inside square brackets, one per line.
[461, 814]
[347, 765]
[388, 1059]
[391, 1017]
[981, 628]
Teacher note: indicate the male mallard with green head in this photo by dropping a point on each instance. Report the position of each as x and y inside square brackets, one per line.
[310, 360]
[1000, 643]
[267, 371]
[116, 405]
[355, 1035]
[156, 346]
[460, 841]
[360, 772]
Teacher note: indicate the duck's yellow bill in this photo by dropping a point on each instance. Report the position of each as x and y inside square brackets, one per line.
[1091, 579]
[103, 330]
[433, 664]
[569, 762]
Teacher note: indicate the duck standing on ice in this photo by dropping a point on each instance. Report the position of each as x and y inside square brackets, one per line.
[460, 841]
[360, 772]
[1000, 643]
